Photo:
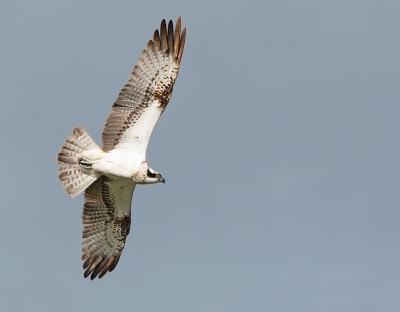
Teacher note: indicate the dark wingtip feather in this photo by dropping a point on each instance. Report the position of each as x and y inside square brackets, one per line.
[114, 263]
[99, 267]
[106, 267]
[150, 45]
[182, 45]
[92, 266]
[170, 35]
[156, 36]
[163, 36]
[87, 262]
[177, 36]
[87, 273]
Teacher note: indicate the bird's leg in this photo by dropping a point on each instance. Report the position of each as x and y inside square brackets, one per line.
[85, 163]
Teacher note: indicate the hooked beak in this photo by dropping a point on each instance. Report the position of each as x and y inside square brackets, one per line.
[161, 180]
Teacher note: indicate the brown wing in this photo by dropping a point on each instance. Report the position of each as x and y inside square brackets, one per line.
[106, 219]
[150, 85]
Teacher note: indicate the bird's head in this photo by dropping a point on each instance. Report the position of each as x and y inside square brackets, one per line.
[153, 176]
[146, 175]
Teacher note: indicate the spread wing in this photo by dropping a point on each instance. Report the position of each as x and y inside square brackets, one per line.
[106, 219]
[144, 98]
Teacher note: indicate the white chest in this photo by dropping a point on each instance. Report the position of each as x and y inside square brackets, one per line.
[121, 162]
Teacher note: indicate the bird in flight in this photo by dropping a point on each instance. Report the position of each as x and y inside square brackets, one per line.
[109, 174]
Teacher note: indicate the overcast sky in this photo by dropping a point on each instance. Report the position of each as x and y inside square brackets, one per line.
[280, 150]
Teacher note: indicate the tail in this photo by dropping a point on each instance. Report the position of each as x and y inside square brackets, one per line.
[74, 180]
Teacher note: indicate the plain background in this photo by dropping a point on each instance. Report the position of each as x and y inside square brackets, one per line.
[280, 150]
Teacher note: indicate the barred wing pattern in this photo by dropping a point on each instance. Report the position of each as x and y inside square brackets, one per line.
[144, 98]
[106, 219]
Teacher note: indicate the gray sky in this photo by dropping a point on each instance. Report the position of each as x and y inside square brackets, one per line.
[280, 148]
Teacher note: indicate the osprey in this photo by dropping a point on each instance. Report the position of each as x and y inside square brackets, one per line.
[109, 175]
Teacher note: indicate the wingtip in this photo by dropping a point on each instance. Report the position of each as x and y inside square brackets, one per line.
[182, 45]
[156, 36]
[163, 36]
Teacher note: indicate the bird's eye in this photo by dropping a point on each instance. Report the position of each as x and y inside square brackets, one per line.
[158, 175]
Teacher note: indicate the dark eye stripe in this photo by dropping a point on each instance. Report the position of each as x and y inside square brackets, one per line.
[150, 174]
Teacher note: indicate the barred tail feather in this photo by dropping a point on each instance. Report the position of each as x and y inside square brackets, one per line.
[78, 142]
[74, 180]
